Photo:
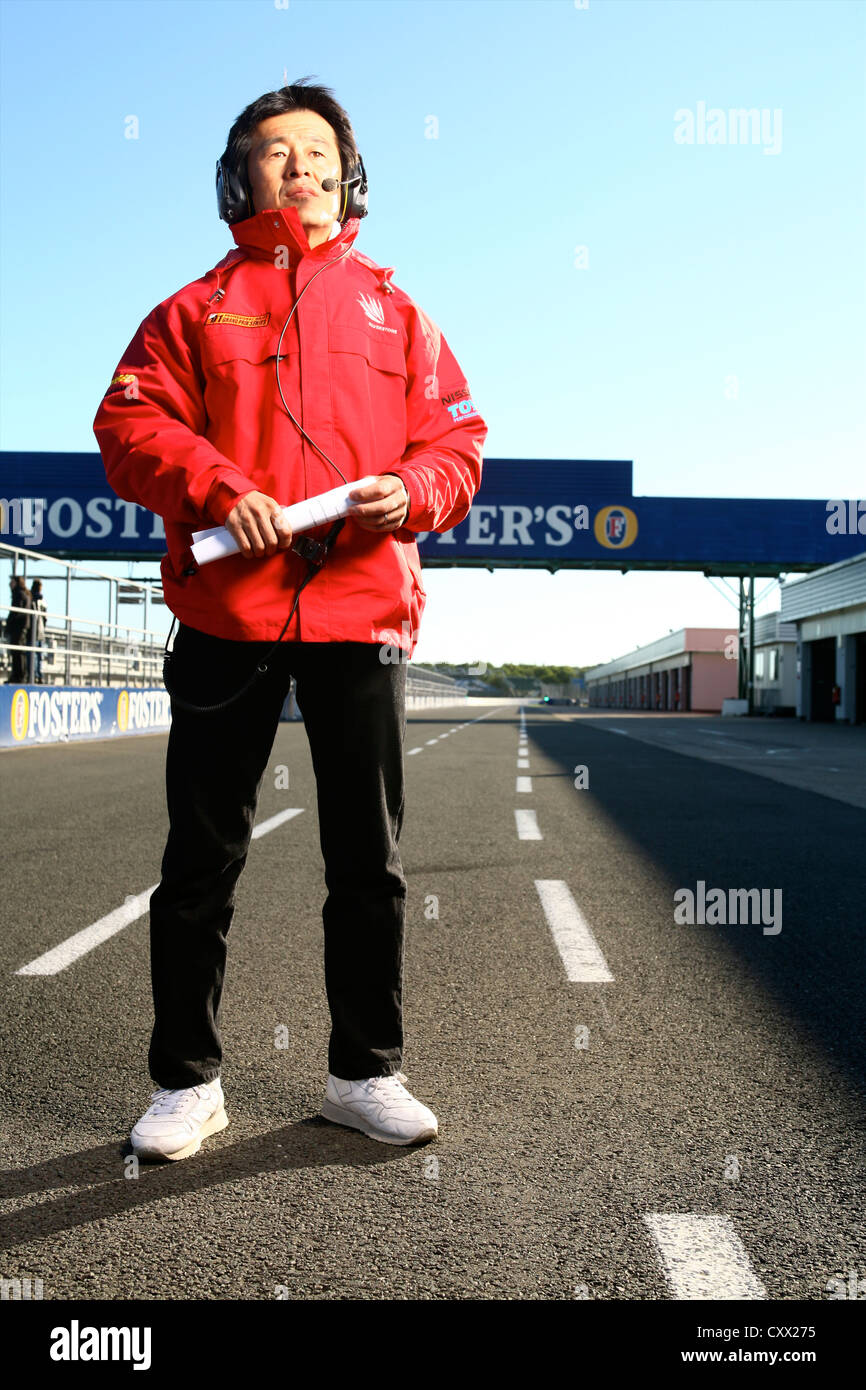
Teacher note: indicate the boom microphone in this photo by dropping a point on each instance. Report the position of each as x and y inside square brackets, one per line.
[331, 185]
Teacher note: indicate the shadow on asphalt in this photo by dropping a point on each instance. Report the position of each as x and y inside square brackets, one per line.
[309, 1143]
[734, 829]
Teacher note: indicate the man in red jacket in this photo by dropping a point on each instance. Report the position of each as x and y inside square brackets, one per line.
[293, 360]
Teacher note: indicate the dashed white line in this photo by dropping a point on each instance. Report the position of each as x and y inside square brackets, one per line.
[575, 942]
[703, 1257]
[83, 941]
[430, 741]
[523, 762]
[268, 825]
[135, 906]
[524, 784]
[527, 826]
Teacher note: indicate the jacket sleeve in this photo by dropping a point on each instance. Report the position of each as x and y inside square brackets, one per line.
[151, 423]
[441, 467]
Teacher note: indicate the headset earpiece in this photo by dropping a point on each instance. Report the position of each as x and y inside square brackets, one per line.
[354, 202]
[233, 201]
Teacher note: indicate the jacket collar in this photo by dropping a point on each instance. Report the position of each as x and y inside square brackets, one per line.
[266, 234]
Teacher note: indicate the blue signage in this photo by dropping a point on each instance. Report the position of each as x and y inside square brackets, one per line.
[550, 513]
[37, 714]
[34, 714]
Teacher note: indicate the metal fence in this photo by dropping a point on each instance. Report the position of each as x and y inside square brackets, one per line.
[57, 646]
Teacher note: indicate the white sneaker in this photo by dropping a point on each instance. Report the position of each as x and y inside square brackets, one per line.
[177, 1121]
[382, 1108]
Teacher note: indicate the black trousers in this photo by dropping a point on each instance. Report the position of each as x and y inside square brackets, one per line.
[354, 709]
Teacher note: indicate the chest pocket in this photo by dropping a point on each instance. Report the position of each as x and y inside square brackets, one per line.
[384, 351]
[220, 344]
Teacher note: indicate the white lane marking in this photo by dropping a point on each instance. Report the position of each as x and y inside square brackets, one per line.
[430, 741]
[135, 906]
[524, 784]
[523, 762]
[703, 1257]
[268, 825]
[83, 941]
[527, 826]
[575, 942]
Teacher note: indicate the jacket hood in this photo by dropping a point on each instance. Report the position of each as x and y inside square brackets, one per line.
[266, 233]
[274, 230]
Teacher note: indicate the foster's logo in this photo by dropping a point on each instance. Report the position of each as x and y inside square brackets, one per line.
[615, 527]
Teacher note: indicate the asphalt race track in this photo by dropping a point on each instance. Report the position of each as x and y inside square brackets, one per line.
[616, 1090]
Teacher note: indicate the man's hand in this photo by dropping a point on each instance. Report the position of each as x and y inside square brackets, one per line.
[380, 506]
[258, 527]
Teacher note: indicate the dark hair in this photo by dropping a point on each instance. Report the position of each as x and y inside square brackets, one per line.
[298, 97]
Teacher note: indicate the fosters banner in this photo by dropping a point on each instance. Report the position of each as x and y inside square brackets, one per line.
[31, 714]
[34, 714]
[556, 513]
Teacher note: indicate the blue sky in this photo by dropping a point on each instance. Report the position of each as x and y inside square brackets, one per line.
[715, 336]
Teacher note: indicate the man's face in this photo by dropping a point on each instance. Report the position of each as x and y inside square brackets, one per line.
[290, 157]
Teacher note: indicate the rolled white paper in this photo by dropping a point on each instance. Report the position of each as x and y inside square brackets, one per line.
[216, 543]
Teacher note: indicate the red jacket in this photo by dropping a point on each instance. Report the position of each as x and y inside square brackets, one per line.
[193, 420]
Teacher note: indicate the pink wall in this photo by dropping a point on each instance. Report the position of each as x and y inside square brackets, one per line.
[714, 679]
[710, 639]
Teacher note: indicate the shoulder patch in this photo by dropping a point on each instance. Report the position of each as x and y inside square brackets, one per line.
[127, 382]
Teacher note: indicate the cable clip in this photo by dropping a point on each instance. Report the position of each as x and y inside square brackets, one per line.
[314, 551]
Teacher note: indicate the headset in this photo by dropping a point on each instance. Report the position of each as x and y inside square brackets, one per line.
[234, 196]
[235, 204]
